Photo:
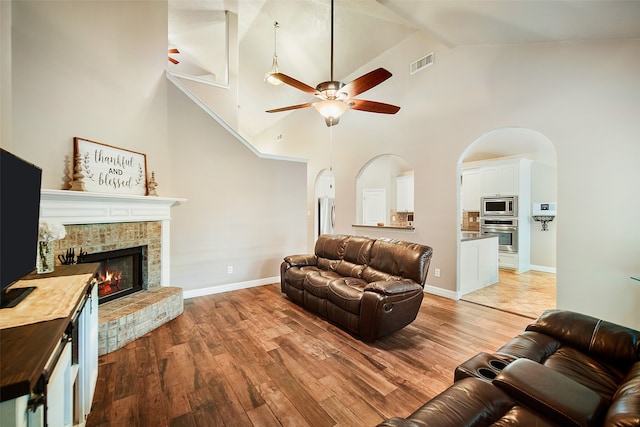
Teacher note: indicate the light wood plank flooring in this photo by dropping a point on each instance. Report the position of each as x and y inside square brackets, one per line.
[527, 294]
[253, 358]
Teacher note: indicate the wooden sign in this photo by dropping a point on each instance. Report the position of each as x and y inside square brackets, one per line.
[106, 169]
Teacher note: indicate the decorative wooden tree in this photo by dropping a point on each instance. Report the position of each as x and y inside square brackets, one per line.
[78, 177]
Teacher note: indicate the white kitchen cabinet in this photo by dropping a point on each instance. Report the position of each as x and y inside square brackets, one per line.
[478, 263]
[404, 193]
[500, 180]
[508, 260]
[471, 189]
[506, 177]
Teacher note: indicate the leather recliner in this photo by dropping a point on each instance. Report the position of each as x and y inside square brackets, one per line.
[369, 287]
[565, 369]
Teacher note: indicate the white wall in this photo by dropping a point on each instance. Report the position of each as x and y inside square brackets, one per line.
[5, 75]
[582, 96]
[93, 70]
[543, 243]
[242, 211]
[97, 70]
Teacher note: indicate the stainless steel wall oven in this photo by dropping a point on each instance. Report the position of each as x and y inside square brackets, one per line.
[505, 228]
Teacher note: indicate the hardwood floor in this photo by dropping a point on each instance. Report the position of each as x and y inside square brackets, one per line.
[527, 294]
[254, 358]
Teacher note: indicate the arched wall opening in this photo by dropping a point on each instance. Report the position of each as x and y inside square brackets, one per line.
[511, 144]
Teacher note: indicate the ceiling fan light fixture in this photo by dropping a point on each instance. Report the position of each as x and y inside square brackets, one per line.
[269, 77]
[330, 108]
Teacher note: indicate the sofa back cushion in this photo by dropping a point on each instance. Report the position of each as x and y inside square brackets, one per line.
[331, 246]
[616, 344]
[400, 259]
[357, 251]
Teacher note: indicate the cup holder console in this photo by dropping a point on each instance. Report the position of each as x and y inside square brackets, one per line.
[498, 364]
[484, 366]
[487, 373]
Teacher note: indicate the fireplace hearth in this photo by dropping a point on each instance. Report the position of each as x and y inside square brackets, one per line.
[121, 272]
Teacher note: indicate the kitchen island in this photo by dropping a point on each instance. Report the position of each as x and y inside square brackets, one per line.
[478, 261]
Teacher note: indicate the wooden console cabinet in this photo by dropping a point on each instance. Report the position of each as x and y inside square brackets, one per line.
[49, 358]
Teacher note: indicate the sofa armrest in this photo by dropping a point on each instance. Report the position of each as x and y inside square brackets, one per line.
[615, 343]
[393, 287]
[552, 394]
[398, 422]
[468, 402]
[301, 260]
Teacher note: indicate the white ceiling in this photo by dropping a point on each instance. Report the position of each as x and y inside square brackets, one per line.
[363, 29]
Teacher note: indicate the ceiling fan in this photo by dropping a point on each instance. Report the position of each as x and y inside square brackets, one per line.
[336, 97]
[173, 60]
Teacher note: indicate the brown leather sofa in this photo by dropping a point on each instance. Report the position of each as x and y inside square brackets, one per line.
[369, 287]
[565, 369]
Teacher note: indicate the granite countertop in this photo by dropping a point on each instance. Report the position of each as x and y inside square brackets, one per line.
[475, 235]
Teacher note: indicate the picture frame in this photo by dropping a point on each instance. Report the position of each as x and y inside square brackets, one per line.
[103, 168]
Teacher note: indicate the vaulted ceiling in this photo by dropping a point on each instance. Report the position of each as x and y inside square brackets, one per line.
[366, 28]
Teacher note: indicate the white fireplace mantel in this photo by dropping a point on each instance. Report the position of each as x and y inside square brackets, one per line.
[79, 207]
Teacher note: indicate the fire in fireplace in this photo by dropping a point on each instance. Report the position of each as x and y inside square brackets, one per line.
[120, 272]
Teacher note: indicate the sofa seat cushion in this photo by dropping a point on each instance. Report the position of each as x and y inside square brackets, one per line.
[346, 293]
[598, 376]
[317, 283]
[295, 275]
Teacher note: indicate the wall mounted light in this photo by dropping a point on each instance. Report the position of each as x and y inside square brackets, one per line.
[274, 65]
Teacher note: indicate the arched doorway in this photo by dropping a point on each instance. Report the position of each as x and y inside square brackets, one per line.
[538, 152]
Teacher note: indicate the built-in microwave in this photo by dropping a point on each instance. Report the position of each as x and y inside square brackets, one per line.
[499, 206]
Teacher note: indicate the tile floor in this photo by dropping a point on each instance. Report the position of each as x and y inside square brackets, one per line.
[527, 294]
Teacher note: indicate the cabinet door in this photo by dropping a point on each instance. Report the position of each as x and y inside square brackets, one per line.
[490, 181]
[508, 260]
[60, 391]
[404, 193]
[471, 193]
[87, 357]
[508, 180]
[500, 180]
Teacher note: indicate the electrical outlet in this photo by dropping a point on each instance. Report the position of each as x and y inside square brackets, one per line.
[230, 269]
[437, 272]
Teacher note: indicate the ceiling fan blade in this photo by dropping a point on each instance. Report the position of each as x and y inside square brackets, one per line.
[173, 61]
[295, 83]
[373, 106]
[174, 50]
[291, 107]
[366, 82]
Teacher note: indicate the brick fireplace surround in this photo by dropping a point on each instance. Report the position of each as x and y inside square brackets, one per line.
[103, 222]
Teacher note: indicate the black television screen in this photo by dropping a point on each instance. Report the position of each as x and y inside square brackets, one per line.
[19, 214]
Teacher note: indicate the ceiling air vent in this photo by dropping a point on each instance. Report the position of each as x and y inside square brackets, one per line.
[421, 63]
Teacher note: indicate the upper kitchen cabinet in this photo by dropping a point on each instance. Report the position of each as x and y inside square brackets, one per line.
[404, 193]
[494, 178]
[500, 180]
[471, 189]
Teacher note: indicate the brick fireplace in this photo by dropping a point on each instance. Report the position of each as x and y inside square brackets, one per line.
[96, 239]
[98, 223]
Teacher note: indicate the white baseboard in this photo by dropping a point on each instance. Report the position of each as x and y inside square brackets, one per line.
[230, 287]
[441, 292]
[543, 268]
